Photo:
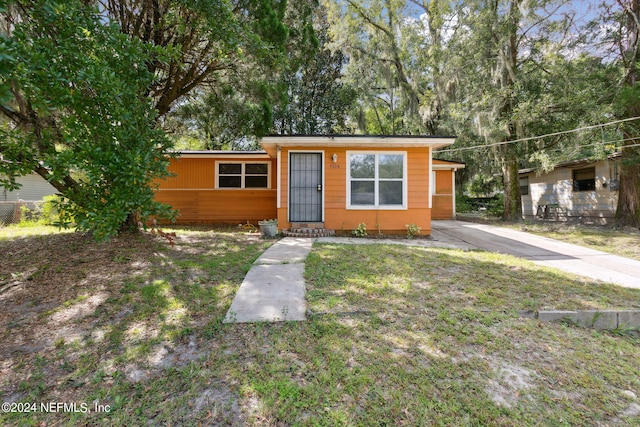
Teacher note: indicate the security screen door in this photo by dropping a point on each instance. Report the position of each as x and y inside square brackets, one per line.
[305, 187]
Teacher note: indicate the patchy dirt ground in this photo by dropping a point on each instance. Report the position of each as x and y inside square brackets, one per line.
[74, 312]
[40, 275]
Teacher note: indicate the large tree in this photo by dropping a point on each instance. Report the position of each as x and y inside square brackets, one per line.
[209, 40]
[236, 107]
[88, 81]
[77, 114]
[317, 99]
[396, 61]
[506, 62]
[625, 24]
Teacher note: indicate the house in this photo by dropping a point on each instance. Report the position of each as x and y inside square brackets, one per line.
[321, 182]
[583, 191]
[443, 190]
[33, 189]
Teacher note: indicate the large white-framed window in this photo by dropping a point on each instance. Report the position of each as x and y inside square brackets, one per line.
[377, 180]
[242, 175]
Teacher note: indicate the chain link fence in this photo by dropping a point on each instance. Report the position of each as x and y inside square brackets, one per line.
[13, 212]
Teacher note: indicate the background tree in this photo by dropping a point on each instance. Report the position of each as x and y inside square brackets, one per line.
[509, 84]
[235, 106]
[622, 17]
[76, 115]
[367, 32]
[210, 41]
[317, 100]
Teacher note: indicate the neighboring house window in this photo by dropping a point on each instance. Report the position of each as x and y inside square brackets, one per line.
[584, 179]
[377, 180]
[524, 186]
[243, 175]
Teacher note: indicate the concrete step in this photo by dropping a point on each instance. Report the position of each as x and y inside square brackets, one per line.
[308, 232]
[315, 225]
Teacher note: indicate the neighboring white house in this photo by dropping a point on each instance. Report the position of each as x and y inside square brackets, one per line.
[583, 191]
[34, 188]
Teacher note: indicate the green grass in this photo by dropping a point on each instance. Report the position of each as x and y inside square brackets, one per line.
[615, 241]
[16, 231]
[397, 336]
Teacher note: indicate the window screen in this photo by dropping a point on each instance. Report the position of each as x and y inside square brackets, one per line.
[377, 179]
[584, 179]
[243, 175]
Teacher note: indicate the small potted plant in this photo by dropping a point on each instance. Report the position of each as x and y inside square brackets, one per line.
[268, 228]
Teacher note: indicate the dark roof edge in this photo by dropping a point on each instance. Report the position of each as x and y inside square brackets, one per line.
[569, 163]
[361, 136]
[244, 152]
[449, 161]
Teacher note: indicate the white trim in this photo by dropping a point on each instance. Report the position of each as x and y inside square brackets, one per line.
[376, 179]
[322, 159]
[430, 174]
[270, 143]
[235, 155]
[452, 166]
[214, 189]
[242, 174]
[279, 179]
[432, 184]
[453, 192]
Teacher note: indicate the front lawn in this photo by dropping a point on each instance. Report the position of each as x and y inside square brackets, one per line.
[396, 336]
[615, 241]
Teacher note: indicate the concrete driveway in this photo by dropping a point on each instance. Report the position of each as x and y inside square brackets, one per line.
[541, 250]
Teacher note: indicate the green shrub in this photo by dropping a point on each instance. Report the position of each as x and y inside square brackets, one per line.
[463, 204]
[496, 206]
[413, 230]
[27, 217]
[49, 214]
[45, 213]
[360, 230]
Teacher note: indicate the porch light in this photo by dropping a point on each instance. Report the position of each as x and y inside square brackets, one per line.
[334, 157]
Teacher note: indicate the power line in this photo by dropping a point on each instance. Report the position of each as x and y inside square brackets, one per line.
[615, 141]
[540, 136]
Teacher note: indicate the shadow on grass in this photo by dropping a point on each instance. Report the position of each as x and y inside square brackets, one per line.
[410, 337]
[126, 323]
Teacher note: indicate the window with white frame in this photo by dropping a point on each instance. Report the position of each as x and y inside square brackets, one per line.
[242, 175]
[377, 180]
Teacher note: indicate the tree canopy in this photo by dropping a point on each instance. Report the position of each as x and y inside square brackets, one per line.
[94, 93]
[86, 87]
[77, 114]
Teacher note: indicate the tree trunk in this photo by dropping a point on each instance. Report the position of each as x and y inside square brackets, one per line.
[628, 209]
[512, 198]
[131, 224]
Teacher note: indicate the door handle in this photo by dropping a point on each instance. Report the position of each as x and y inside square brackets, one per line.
[319, 187]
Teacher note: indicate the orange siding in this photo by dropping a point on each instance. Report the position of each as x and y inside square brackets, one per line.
[220, 206]
[191, 173]
[192, 192]
[442, 207]
[444, 182]
[443, 197]
[336, 214]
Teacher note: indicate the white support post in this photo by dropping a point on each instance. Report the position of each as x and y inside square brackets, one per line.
[278, 178]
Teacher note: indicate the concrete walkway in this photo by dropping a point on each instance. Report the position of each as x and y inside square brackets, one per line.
[273, 290]
[571, 258]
